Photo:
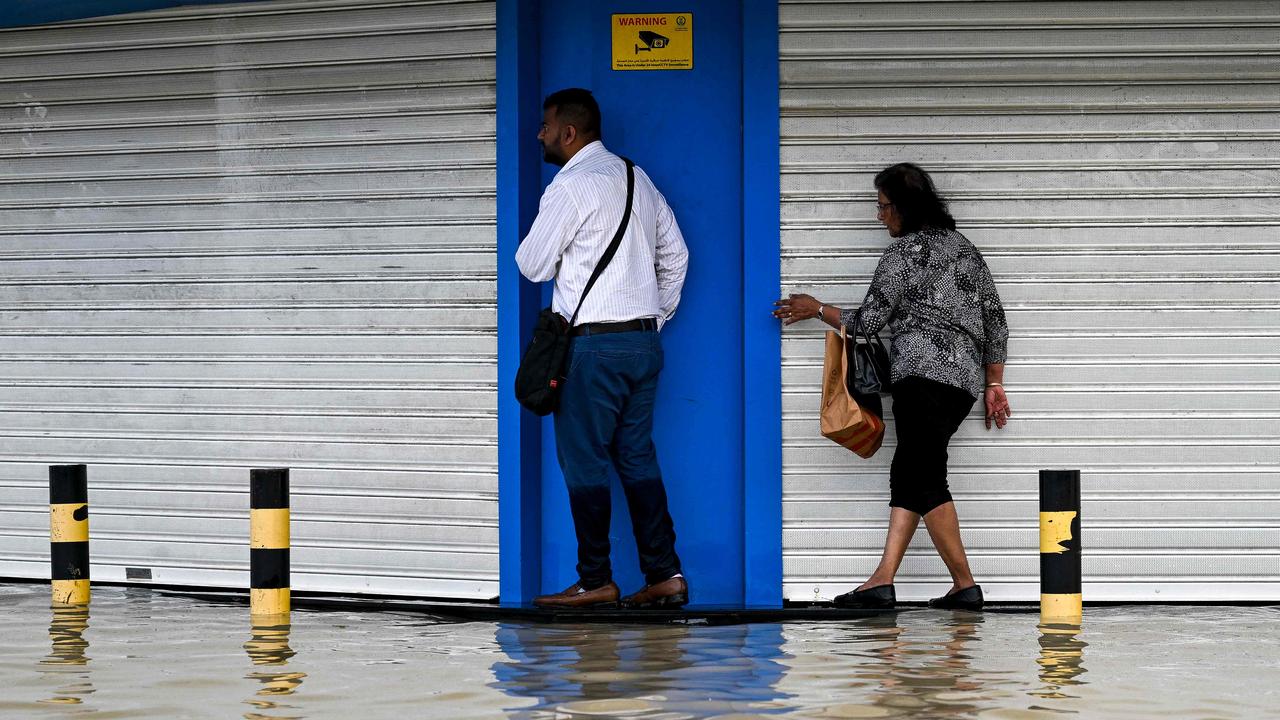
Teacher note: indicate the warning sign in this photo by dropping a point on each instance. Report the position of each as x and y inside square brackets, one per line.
[653, 42]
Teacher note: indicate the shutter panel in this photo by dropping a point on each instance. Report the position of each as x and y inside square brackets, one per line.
[256, 235]
[1118, 164]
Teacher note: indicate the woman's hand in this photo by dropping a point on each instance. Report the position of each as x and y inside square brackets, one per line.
[997, 407]
[796, 308]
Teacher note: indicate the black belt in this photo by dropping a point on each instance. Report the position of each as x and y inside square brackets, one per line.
[602, 328]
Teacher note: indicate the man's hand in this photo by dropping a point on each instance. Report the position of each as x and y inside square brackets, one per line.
[796, 308]
[997, 407]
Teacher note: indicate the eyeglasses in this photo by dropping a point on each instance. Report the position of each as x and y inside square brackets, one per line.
[881, 207]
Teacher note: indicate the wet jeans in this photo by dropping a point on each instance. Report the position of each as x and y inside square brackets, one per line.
[606, 420]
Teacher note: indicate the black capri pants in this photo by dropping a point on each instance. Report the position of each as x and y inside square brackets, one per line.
[927, 413]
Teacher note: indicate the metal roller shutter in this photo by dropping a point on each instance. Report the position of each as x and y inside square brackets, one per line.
[245, 236]
[1118, 163]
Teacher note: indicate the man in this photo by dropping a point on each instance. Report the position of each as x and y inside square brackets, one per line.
[605, 417]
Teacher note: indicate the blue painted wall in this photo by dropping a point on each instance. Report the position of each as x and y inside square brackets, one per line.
[685, 129]
[709, 139]
[519, 188]
[761, 285]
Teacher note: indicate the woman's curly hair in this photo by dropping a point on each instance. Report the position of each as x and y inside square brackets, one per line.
[913, 195]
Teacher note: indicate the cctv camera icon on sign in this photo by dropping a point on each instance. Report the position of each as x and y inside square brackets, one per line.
[651, 41]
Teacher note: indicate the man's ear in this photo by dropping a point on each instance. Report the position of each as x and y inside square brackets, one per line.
[570, 134]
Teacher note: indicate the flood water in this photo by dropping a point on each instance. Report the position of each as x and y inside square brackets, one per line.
[142, 654]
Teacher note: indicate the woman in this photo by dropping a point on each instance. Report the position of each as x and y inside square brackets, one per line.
[934, 291]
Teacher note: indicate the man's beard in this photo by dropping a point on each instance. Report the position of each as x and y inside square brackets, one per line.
[552, 155]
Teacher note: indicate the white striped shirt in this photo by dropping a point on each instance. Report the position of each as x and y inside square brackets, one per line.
[578, 216]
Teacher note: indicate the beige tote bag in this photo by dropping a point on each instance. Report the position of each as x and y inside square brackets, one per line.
[843, 421]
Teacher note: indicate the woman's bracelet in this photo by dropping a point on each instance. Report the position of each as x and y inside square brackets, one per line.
[994, 385]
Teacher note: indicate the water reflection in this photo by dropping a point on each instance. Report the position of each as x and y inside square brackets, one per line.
[641, 671]
[67, 661]
[269, 647]
[925, 676]
[1061, 658]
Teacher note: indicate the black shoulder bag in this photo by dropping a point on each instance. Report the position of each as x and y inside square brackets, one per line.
[541, 373]
[869, 369]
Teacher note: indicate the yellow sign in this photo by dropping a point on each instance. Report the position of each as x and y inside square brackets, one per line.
[653, 42]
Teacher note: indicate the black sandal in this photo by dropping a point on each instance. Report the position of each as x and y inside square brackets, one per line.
[969, 598]
[880, 597]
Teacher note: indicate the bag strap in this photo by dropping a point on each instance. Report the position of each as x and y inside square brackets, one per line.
[613, 244]
[860, 330]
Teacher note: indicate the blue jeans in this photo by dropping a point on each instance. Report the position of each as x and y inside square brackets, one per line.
[605, 420]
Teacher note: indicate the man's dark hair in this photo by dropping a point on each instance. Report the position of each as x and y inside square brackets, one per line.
[576, 107]
[913, 195]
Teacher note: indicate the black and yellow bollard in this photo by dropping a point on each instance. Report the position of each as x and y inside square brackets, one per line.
[269, 542]
[1060, 598]
[69, 534]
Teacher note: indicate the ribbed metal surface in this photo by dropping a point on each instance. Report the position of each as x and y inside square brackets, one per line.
[254, 236]
[1118, 163]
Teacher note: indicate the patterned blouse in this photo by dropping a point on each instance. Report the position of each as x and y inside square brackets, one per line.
[934, 291]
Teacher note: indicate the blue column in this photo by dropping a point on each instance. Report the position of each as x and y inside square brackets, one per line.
[519, 431]
[761, 280]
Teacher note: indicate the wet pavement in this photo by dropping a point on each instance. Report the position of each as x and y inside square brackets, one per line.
[138, 653]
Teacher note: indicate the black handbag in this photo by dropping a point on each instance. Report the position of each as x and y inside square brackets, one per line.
[540, 377]
[869, 369]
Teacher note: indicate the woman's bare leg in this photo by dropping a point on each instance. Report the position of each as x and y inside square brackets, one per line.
[944, 529]
[902, 526]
